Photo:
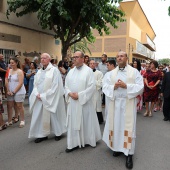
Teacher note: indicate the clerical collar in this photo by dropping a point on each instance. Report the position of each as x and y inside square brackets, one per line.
[121, 68]
[94, 70]
[79, 67]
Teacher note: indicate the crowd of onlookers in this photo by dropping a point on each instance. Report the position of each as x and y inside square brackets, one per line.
[16, 80]
[153, 76]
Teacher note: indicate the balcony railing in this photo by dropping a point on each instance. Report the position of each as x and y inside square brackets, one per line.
[141, 49]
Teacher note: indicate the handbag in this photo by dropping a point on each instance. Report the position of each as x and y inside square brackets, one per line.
[152, 84]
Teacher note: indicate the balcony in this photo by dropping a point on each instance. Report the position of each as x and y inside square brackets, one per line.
[148, 42]
[143, 51]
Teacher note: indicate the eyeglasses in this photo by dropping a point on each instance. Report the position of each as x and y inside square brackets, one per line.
[75, 57]
[121, 56]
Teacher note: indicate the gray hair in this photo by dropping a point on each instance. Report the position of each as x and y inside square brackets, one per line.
[35, 58]
[47, 55]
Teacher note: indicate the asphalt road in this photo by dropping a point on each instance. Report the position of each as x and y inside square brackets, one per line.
[17, 152]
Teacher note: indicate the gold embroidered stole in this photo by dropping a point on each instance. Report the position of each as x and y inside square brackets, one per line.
[129, 114]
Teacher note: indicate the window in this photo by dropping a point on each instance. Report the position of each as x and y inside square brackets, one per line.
[7, 53]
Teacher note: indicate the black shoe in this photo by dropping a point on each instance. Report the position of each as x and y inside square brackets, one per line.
[57, 138]
[116, 154]
[129, 162]
[87, 145]
[165, 119]
[38, 140]
[70, 150]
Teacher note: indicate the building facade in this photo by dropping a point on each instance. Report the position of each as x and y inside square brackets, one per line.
[24, 37]
[134, 36]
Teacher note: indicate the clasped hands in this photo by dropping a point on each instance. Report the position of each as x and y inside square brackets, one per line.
[38, 97]
[10, 93]
[121, 84]
[150, 87]
[74, 96]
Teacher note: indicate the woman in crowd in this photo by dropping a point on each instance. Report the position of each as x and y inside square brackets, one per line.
[54, 62]
[136, 64]
[15, 119]
[147, 67]
[62, 70]
[36, 61]
[86, 60]
[2, 124]
[25, 68]
[160, 98]
[15, 91]
[71, 65]
[30, 75]
[151, 89]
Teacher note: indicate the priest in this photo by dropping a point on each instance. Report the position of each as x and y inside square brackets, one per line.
[82, 124]
[122, 87]
[47, 103]
[97, 98]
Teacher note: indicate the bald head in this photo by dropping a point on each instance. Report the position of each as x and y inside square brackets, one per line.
[122, 53]
[121, 58]
[47, 55]
[45, 59]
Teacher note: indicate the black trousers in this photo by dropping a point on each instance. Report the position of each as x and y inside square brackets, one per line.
[166, 108]
[100, 117]
[103, 99]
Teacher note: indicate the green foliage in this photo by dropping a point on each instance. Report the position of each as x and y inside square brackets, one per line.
[82, 45]
[164, 60]
[70, 18]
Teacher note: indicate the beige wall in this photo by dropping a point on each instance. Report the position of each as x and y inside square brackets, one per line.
[134, 31]
[27, 21]
[110, 44]
[29, 33]
[30, 41]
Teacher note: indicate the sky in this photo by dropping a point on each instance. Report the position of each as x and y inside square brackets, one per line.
[157, 14]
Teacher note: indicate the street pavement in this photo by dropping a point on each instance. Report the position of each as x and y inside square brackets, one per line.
[17, 152]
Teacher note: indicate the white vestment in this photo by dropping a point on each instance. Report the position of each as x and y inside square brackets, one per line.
[82, 123]
[97, 98]
[48, 114]
[106, 98]
[119, 97]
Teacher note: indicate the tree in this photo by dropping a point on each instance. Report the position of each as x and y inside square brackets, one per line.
[71, 20]
[82, 45]
[164, 60]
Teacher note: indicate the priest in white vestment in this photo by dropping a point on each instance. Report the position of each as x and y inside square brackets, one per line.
[122, 87]
[97, 98]
[47, 103]
[82, 124]
[111, 64]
